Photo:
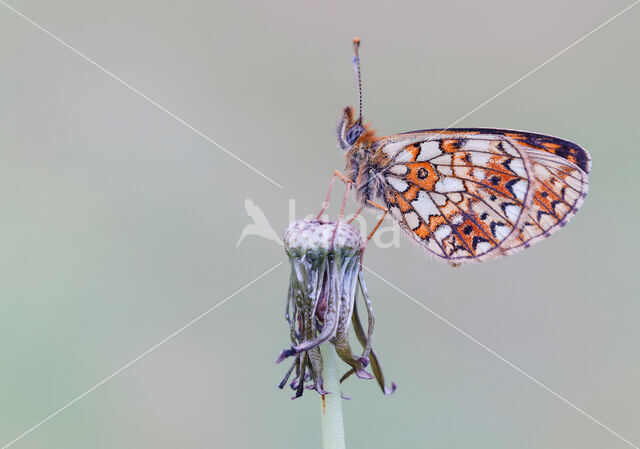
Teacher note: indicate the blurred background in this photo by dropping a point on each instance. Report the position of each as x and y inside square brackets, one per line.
[119, 224]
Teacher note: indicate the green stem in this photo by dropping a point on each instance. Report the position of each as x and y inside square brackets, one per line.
[332, 424]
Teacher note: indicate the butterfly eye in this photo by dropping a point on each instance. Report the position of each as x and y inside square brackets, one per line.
[354, 132]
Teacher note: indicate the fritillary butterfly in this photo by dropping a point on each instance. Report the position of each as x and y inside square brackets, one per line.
[468, 194]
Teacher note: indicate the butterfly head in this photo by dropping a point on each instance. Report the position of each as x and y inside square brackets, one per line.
[349, 131]
[352, 131]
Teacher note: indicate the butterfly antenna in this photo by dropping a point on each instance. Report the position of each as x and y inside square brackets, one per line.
[356, 66]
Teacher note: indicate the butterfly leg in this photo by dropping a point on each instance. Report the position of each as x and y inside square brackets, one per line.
[355, 215]
[348, 183]
[341, 214]
[325, 204]
[375, 228]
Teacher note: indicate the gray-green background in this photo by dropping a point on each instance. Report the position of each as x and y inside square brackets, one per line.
[119, 224]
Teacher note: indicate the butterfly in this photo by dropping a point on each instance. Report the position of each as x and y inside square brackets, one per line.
[467, 194]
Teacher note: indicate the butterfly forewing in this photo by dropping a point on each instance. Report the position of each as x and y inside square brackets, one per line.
[468, 195]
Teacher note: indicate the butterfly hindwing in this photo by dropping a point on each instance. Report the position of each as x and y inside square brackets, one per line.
[560, 189]
[470, 195]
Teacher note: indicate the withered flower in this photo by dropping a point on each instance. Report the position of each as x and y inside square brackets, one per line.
[321, 305]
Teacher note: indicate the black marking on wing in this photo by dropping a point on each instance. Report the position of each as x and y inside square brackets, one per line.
[493, 226]
[476, 240]
[469, 216]
[509, 185]
[457, 143]
[488, 187]
[545, 193]
[486, 203]
[504, 206]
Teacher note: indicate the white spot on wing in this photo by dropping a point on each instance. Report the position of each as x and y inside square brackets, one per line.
[517, 166]
[445, 170]
[428, 150]
[412, 220]
[392, 148]
[425, 206]
[445, 159]
[439, 199]
[570, 195]
[513, 212]
[546, 221]
[483, 247]
[457, 219]
[480, 159]
[501, 231]
[442, 232]
[398, 184]
[477, 145]
[399, 169]
[449, 185]
[404, 156]
[520, 189]
[561, 209]
[479, 174]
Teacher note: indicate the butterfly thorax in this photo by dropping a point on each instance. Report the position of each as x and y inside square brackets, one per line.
[366, 167]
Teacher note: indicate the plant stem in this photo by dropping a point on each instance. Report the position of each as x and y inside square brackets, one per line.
[332, 423]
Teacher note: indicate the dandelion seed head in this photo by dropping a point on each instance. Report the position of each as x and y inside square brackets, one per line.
[314, 235]
[321, 305]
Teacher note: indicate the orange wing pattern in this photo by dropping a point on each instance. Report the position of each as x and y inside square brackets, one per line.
[470, 195]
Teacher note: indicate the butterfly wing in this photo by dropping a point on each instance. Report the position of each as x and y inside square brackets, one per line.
[560, 187]
[472, 194]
